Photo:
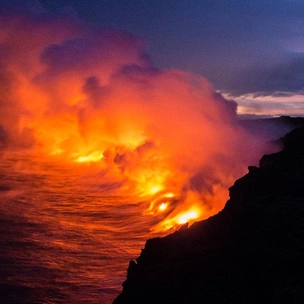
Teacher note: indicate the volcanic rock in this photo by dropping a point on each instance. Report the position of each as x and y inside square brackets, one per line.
[250, 252]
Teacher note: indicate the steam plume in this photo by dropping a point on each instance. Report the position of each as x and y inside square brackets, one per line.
[85, 94]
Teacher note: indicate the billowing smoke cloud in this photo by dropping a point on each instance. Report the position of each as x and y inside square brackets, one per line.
[79, 93]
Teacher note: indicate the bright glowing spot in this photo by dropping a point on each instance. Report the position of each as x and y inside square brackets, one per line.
[169, 195]
[163, 207]
[92, 157]
[185, 217]
[155, 189]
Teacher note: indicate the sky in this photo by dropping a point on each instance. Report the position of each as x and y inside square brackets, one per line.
[251, 51]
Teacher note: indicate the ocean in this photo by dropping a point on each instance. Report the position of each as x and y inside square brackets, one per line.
[65, 236]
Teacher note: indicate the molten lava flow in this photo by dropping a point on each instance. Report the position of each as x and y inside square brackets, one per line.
[163, 206]
[181, 218]
[84, 95]
[187, 216]
[95, 156]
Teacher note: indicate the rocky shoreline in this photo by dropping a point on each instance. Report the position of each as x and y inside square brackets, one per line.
[250, 252]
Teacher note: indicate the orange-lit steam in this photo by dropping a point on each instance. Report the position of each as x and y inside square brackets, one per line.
[80, 94]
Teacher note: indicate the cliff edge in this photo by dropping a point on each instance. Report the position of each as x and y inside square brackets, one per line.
[250, 252]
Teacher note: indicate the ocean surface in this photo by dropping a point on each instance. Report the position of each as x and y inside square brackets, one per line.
[65, 237]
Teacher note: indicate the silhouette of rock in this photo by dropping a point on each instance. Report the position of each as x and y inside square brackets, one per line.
[250, 252]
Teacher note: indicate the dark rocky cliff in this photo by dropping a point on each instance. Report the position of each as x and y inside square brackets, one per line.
[251, 252]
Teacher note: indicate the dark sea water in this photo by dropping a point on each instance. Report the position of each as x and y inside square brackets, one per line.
[64, 237]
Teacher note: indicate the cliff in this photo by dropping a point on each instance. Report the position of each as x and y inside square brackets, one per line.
[251, 252]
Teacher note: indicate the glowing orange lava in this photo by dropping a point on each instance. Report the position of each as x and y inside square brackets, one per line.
[92, 157]
[163, 206]
[184, 218]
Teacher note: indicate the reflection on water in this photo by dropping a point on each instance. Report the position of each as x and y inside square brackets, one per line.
[63, 237]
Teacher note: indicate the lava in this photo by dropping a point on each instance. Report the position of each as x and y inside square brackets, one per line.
[95, 156]
[187, 216]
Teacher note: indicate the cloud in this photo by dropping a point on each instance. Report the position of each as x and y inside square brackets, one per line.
[277, 104]
[80, 93]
